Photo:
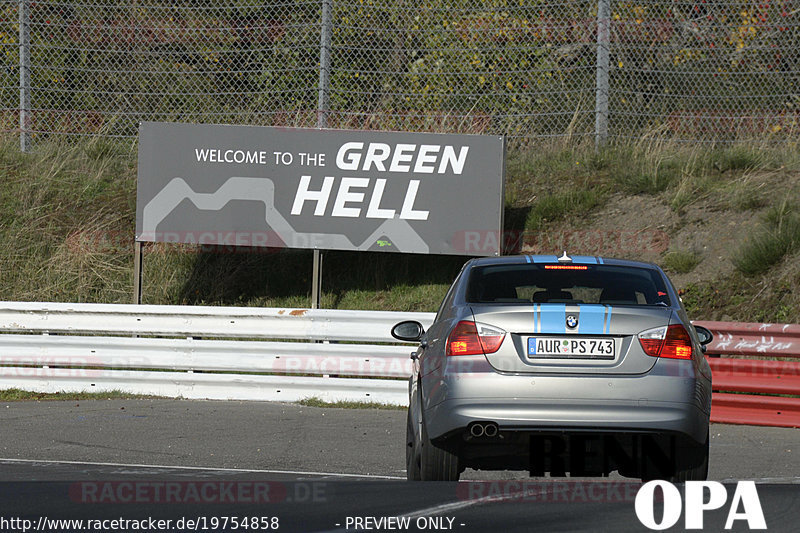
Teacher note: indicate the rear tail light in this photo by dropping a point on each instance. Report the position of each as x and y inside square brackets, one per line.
[474, 338]
[672, 342]
[652, 340]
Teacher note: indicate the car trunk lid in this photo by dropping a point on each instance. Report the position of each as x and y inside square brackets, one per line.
[567, 338]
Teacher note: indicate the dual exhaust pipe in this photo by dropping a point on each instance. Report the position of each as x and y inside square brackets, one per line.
[484, 429]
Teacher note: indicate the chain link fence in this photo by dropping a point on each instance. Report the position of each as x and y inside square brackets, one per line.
[716, 70]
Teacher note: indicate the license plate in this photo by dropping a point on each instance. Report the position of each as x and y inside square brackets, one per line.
[575, 348]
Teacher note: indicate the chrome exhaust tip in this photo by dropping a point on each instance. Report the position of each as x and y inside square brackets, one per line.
[476, 430]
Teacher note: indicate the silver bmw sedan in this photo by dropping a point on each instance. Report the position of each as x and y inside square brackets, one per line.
[578, 366]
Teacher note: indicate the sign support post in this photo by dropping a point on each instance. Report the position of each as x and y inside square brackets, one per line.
[137, 272]
[316, 280]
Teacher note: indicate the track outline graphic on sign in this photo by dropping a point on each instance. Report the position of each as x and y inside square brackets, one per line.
[398, 231]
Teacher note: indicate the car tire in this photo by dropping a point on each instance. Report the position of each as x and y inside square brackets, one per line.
[700, 471]
[435, 463]
[696, 466]
[412, 459]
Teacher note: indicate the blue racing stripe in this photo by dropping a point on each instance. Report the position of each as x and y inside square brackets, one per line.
[528, 258]
[607, 325]
[584, 259]
[592, 320]
[554, 318]
[544, 258]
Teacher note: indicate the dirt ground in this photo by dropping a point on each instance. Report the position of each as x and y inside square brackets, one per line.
[645, 228]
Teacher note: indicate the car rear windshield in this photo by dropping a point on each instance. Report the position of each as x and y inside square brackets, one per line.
[569, 284]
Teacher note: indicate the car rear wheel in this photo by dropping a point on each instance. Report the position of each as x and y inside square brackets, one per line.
[696, 466]
[437, 464]
[412, 459]
[690, 465]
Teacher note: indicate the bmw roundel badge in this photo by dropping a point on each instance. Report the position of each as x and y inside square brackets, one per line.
[572, 321]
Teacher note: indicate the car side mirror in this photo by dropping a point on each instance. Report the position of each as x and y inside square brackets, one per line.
[704, 335]
[408, 331]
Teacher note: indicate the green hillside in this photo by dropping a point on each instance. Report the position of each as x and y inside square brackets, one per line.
[723, 220]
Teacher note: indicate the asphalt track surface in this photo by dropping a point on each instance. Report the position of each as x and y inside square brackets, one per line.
[315, 467]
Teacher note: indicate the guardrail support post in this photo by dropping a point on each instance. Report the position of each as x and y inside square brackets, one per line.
[24, 75]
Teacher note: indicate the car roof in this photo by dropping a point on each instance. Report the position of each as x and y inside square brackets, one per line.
[576, 260]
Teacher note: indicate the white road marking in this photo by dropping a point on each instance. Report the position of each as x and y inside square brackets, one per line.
[202, 468]
[764, 480]
[455, 506]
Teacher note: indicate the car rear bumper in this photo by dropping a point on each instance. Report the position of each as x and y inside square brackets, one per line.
[669, 399]
[603, 417]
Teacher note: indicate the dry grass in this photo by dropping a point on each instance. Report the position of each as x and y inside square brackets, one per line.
[67, 218]
[18, 395]
[778, 237]
[66, 209]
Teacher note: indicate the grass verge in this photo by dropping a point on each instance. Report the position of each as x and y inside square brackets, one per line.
[18, 395]
[316, 402]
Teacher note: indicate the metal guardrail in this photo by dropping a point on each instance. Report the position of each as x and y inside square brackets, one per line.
[747, 386]
[203, 321]
[336, 355]
[51, 347]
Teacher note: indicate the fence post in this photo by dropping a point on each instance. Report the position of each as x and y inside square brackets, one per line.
[601, 94]
[323, 106]
[24, 75]
[323, 102]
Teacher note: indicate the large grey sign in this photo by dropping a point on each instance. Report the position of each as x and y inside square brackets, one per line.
[324, 189]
